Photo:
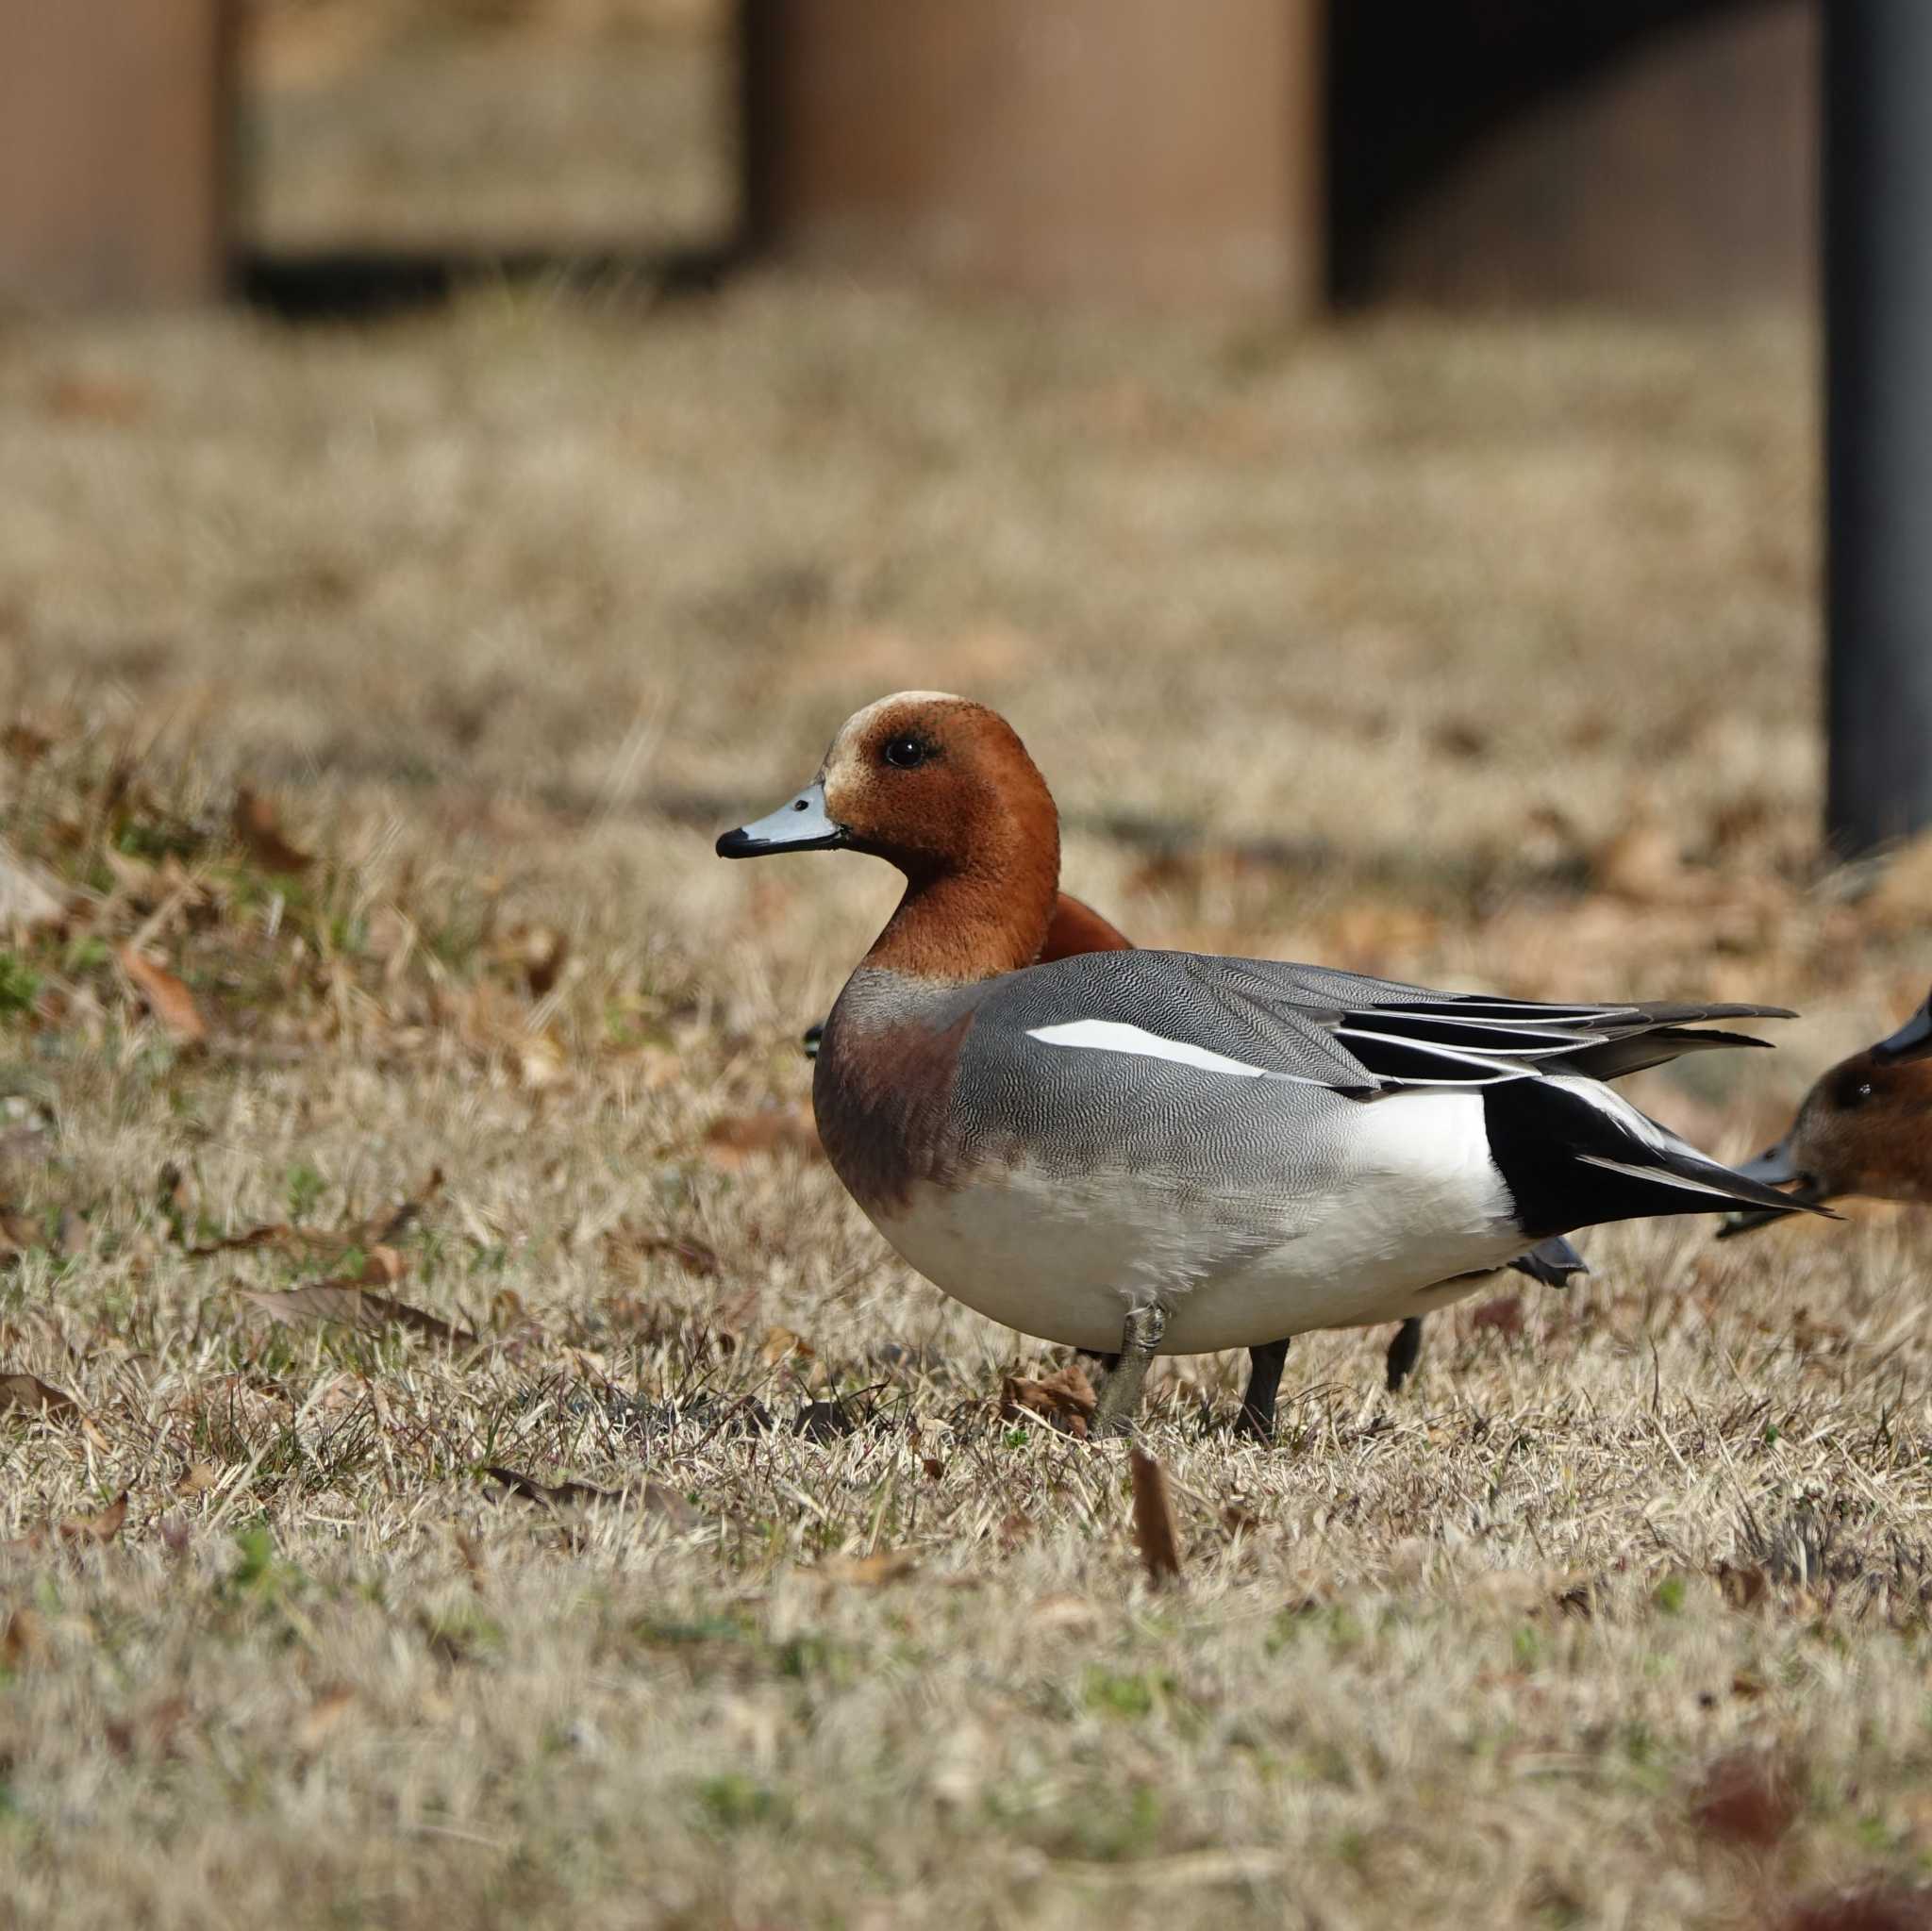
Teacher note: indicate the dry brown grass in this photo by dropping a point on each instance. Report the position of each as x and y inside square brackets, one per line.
[1480, 653]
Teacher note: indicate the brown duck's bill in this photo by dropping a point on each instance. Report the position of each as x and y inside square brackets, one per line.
[802, 825]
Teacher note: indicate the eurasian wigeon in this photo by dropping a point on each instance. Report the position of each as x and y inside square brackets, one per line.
[1074, 926]
[1166, 1152]
[1865, 1127]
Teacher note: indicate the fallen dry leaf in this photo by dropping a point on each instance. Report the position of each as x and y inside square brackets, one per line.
[1745, 1799]
[100, 1527]
[733, 1139]
[1067, 1400]
[1504, 1314]
[354, 1306]
[870, 1571]
[198, 1479]
[152, 1733]
[558, 1493]
[24, 742]
[19, 1234]
[374, 1236]
[18, 1390]
[77, 397]
[1156, 1533]
[260, 835]
[24, 1639]
[781, 1344]
[625, 1244]
[274, 1234]
[168, 999]
[656, 1499]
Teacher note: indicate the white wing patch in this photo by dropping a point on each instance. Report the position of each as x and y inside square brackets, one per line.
[1657, 1176]
[1115, 1036]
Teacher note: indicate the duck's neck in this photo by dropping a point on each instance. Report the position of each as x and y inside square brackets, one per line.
[974, 922]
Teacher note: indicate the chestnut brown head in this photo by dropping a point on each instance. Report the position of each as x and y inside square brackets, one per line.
[1865, 1127]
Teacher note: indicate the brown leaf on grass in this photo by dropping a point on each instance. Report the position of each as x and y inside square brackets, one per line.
[1067, 1400]
[1743, 1588]
[656, 1499]
[25, 743]
[102, 1527]
[407, 1212]
[76, 396]
[872, 1572]
[376, 1235]
[1882, 1904]
[198, 1479]
[730, 1141]
[1745, 1800]
[625, 1244]
[559, 1494]
[260, 833]
[19, 1234]
[354, 1306]
[781, 1344]
[24, 1639]
[1156, 1533]
[152, 1733]
[167, 998]
[276, 1234]
[18, 1390]
[1504, 1314]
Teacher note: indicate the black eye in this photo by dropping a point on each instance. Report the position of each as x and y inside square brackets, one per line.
[907, 752]
[1851, 1092]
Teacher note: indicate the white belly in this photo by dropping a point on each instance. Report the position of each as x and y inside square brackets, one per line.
[1416, 1200]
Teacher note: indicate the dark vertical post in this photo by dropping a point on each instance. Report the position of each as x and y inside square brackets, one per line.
[1878, 412]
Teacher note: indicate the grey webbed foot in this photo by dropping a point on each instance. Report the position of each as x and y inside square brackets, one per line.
[1120, 1397]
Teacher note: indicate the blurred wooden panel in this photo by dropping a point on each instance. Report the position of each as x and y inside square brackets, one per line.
[1148, 151]
[113, 133]
[1638, 152]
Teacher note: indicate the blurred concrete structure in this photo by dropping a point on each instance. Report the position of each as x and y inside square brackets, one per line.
[1282, 151]
[1271, 154]
[1101, 149]
[114, 130]
[1637, 152]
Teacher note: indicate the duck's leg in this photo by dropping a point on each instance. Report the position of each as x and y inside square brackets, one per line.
[1121, 1395]
[1256, 1418]
[1404, 1351]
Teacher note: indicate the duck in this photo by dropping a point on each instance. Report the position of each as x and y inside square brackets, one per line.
[1074, 926]
[1150, 1152]
[1864, 1128]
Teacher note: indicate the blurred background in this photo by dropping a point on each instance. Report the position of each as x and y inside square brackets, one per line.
[1372, 450]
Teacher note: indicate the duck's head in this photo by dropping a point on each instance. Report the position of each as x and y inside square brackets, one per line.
[942, 788]
[933, 783]
[1866, 1126]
